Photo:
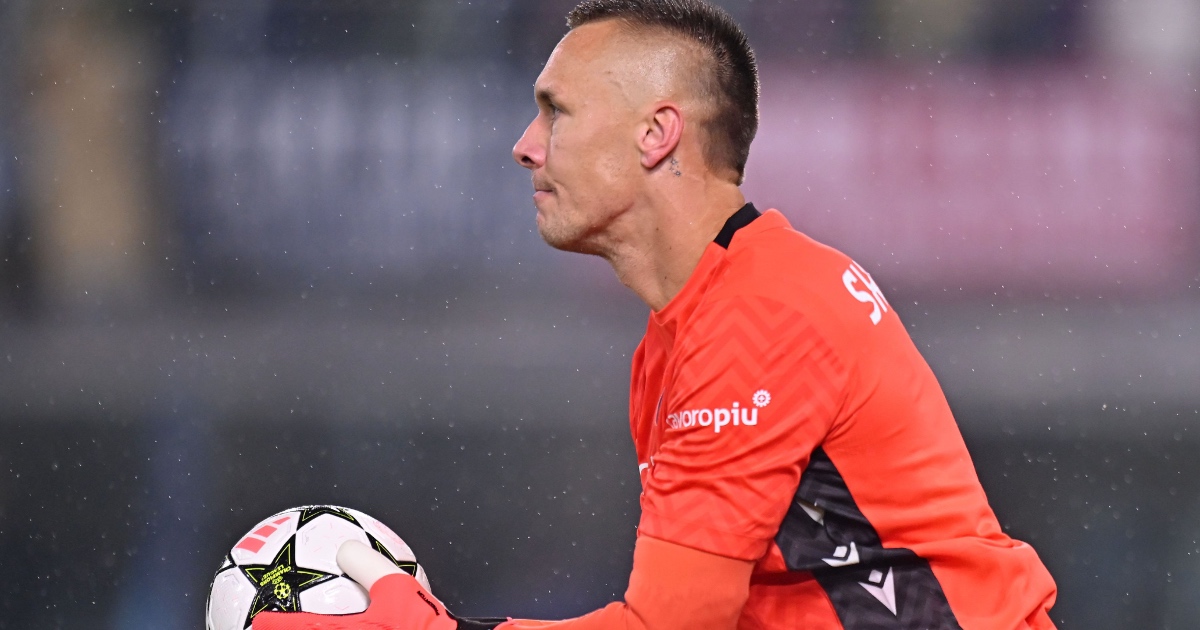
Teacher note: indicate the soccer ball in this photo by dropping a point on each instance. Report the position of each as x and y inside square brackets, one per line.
[287, 563]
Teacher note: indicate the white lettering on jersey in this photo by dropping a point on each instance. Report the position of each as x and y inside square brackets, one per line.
[870, 294]
[718, 419]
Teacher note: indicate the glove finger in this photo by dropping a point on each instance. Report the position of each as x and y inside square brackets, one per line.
[401, 596]
[363, 564]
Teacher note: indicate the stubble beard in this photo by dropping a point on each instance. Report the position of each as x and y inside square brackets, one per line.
[563, 237]
[569, 236]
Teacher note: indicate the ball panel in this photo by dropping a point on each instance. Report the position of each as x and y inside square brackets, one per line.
[265, 539]
[400, 550]
[423, 579]
[228, 601]
[318, 540]
[395, 545]
[340, 596]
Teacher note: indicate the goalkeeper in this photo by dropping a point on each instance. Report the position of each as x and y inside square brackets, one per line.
[800, 466]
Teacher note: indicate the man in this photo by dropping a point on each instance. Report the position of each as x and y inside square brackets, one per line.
[800, 467]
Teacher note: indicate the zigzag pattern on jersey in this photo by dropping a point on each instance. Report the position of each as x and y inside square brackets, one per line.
[712, 488]
[735, 347]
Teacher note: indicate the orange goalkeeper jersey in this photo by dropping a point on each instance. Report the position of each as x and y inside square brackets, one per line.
[782, 415]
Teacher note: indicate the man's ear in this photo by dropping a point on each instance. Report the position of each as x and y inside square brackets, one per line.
[660, 134]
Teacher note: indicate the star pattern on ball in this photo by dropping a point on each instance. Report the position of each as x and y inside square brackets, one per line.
[280, 583]
[408, 567]
[313, 511]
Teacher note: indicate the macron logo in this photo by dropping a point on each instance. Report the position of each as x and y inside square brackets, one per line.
[720, 418]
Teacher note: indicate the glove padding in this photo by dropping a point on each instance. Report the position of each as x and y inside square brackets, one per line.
[398, 601]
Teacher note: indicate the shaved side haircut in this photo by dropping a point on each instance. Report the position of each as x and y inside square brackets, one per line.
[728, 78]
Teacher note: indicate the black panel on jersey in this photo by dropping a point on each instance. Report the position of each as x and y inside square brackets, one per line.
[870, 587]
[478, 623]
[739, 220]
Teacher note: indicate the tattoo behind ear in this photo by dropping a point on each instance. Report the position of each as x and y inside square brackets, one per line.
[675, 168]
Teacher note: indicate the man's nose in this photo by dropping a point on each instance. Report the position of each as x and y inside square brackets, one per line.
[529, 151]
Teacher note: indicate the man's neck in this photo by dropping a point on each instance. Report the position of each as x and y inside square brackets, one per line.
[668, 237]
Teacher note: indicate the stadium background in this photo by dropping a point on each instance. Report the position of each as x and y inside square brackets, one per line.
[260, 253]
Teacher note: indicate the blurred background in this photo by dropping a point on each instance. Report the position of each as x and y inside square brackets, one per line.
[262, 253]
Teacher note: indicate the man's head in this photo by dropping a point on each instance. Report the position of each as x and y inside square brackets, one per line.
[634, 87]
[723, 73]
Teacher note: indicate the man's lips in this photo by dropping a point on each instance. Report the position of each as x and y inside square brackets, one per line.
[541, 186]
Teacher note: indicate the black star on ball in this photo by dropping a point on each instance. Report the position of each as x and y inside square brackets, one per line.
[280, 583]
[408, 567]
[313, 511]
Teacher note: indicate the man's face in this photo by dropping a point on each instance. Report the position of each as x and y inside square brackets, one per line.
[581, 148]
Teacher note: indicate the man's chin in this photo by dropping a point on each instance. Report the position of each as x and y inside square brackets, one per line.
[554, 239]
[560, 239]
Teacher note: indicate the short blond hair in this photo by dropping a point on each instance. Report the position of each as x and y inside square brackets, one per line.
[729, 72]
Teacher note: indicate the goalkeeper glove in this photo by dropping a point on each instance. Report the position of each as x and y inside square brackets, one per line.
[398, 601]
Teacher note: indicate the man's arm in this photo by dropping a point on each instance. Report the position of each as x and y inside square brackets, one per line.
[671, 586]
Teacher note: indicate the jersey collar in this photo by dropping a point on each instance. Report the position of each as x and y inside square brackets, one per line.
[740, 219]
[666, 321]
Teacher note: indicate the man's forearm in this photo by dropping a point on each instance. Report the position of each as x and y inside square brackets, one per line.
[671, 587]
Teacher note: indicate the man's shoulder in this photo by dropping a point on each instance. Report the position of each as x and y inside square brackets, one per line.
[773, 260]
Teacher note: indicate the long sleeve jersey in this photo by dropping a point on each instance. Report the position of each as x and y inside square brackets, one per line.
[782, 415]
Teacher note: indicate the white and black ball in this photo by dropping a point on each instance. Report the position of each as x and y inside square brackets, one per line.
[287, 563]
